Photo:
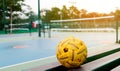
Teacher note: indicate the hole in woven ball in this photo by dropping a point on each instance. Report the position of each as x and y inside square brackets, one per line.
[65, 49]
[81, 44]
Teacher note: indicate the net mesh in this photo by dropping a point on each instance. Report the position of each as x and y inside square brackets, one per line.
[99, 23]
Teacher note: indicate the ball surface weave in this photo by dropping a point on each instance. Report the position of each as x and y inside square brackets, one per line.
[71, 52]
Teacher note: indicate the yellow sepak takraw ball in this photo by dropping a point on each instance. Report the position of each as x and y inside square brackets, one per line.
[71, 52]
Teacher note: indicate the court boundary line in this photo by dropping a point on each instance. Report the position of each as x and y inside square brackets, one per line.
[29, 64]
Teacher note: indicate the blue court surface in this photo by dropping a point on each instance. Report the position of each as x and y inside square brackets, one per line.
[21, 50]
[26, 50]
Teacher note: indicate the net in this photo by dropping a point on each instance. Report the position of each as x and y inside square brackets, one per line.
[105, 23]
[19, 27]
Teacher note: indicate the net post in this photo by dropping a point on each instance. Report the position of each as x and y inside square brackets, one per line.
[49, 33]
[116, 19]
[4, 16]
[39, 25]
[116, 31]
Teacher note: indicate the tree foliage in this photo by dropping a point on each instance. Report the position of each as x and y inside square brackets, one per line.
[71, 13]
[13, 11]
[15, 5]
[54, 13]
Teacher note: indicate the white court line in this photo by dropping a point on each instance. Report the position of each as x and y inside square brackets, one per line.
[39, 61]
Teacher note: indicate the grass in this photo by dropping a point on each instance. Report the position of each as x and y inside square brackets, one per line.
[19, 31]
[2, 32]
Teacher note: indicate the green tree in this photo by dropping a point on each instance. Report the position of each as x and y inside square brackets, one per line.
[117, 14]
[11, 7]
[54, 14]
[83, 13]
[74, 12]
[64, 12]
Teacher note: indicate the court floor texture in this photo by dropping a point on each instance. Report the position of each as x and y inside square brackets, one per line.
[20, 49]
